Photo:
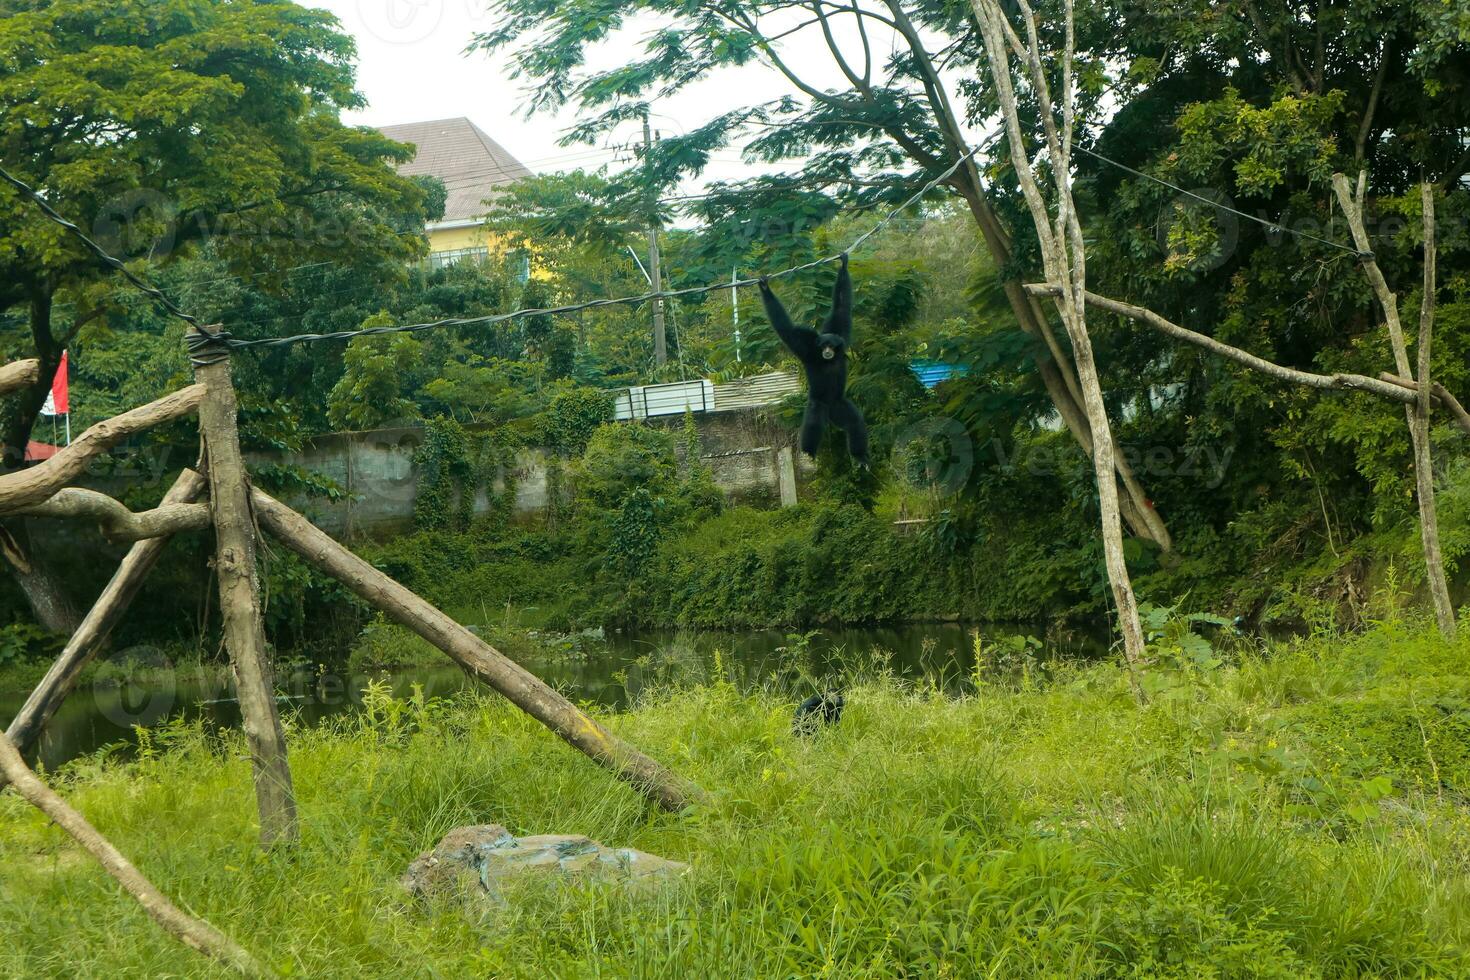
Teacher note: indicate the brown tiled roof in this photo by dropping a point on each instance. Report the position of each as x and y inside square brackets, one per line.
[471, 164]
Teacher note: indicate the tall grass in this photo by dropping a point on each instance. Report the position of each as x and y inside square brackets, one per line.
[1050, 829]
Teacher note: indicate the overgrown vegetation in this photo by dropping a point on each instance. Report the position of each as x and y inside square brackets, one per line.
[1291, 812]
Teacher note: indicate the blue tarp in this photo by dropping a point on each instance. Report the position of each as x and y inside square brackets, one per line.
[931, 373]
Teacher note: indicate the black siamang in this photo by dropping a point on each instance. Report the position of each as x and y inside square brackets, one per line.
[824, 356]
[816, 711]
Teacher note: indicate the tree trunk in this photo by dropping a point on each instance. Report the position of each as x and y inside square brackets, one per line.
[1064, 254]
[51, 605]
[1417, 413]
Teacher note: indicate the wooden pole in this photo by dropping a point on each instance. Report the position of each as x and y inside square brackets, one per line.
[239, 595]
[84, 644]
[194, 933]
[522, 688]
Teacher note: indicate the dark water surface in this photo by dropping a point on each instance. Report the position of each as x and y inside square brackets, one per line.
[610, 670]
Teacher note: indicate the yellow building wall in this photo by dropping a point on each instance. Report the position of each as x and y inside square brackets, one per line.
[478, 236]
[449, 239]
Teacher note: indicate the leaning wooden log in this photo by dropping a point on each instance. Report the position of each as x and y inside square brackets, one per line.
[194, 933]
[18, 375]
[1325, 382]
[522, 688]
[117, 523]
[87, 641]
[31, 486]
[240, 604]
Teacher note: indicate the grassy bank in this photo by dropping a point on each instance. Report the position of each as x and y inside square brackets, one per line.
[1287, 814]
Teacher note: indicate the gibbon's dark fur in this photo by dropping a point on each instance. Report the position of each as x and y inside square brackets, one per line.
[816, 711]
[824, 357]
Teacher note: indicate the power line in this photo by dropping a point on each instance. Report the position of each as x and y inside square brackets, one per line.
[598, 303]
[103, 255]
[1273, 226]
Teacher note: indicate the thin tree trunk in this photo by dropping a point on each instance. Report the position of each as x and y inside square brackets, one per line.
[1065, 259]
[1417, 413]
[194, 933]
[522, 688]
[51, 605]
[1444, 608]
[240, 607]
[90, 636]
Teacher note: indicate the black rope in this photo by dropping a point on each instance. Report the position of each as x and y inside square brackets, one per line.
[102, 253]
[307, 338]
[1273, 226]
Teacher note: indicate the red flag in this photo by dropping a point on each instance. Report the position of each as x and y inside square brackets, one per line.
[58, 402]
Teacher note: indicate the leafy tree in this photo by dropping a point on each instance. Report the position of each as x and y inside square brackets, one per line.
[370, 394]
[904, 111]
[164, 122]
[160, 123]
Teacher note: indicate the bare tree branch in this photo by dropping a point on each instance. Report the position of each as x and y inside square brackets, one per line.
[28, 487]
[1381, 387]
[119, 524]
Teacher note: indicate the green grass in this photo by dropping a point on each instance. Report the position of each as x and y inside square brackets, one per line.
[1294, 814]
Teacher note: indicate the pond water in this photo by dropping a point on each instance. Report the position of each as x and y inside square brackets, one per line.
[610, 670]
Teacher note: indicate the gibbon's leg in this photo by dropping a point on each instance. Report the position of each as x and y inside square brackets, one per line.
[845, 415]
[812, 424]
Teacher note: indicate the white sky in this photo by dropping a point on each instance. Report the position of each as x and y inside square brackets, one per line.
[412, 66]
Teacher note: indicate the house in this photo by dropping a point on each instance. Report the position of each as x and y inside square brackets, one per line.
[473, 168]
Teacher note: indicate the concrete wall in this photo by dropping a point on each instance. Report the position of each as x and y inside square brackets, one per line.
[742, 450]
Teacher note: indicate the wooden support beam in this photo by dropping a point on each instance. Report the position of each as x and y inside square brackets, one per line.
[18, 375]
[31, 486]
[87, 641]
[522, 688]
[117, 523]
[239, 599]
[194, 933]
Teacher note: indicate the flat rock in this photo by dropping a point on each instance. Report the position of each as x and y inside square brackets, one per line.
[477, 860]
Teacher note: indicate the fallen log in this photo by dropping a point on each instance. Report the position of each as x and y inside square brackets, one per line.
[117, 523]
[31, 486]
[85, 643]
[194, 933]
[522, 688]
[18, 375]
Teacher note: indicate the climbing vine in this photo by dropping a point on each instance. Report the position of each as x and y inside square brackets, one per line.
[444, 471]
[454, 466]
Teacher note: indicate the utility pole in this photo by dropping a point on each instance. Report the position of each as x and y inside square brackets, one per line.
[735, 303]
[660, 341]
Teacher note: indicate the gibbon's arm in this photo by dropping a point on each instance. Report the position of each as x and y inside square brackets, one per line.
[802, 341]
[840, 319]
